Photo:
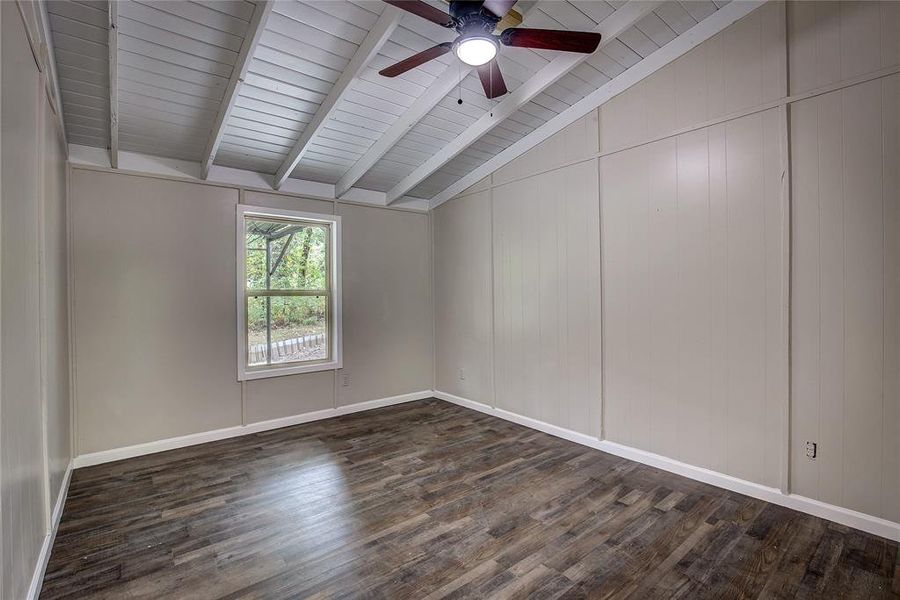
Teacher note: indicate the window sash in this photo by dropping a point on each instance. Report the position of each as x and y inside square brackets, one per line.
[332, 293]
[275, 292]
[329, 339]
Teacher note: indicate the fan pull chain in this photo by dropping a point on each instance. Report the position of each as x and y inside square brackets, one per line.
[459, 82]
[493, 98]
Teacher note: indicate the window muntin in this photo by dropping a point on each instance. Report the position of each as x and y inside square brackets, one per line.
[287, 292]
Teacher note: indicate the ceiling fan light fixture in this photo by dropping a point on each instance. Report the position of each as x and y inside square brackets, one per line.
[476, 51]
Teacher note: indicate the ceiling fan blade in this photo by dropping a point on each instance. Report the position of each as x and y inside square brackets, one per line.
[498, 7]
[551, 39]
[426, 11]
[415, 60]
[492, 79]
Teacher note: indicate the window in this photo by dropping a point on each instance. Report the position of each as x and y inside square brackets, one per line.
[289, 301]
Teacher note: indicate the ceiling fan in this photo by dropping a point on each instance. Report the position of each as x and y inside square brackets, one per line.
[475, 21]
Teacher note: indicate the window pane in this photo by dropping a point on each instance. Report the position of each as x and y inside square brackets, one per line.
[297, 255]
[256, 331]
[299, 329]
[256, 262]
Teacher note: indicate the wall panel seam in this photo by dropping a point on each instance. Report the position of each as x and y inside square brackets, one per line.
[493, 403]
[42, 298]
[786, 242]
[883, 298]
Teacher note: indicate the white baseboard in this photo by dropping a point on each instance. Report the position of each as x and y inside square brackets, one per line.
[37, 579]
[844, 516]
[105, 456]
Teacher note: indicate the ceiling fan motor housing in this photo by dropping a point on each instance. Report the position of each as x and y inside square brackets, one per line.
[471, 20]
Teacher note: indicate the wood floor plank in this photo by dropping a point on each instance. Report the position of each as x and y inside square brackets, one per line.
[428, 500]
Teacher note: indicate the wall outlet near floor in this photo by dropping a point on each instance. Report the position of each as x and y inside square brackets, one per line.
[812, 448]
[462, 374]
[345, 380]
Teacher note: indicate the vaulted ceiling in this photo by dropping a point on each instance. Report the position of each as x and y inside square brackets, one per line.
[291, 88]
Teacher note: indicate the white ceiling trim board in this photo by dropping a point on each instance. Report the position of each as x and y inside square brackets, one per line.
[369, 47]
[619, 21]
[147, 164]
[232, 91]
[113, 47]
[718, 21]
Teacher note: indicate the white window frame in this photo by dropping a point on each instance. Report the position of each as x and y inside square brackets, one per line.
[245, 372]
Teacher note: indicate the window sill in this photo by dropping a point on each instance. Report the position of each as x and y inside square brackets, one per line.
[251, 374]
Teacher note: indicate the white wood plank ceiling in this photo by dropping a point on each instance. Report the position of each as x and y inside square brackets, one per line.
[174, 60]
[79, 31]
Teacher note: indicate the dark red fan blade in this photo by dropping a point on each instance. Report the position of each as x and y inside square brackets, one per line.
[498, 7]
[415, 60]
[492, 79]
[551, 39]
[426, 11]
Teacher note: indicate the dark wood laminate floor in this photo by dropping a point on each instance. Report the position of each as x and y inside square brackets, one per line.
[429, 500]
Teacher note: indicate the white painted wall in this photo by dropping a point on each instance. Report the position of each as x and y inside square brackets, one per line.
[846, 296]
[463, 298]
[154, 310]
[55, 303]
[154, 329]
[546, 245]
[34, 365]
[695, 245]
[692, 270]
[387, 312]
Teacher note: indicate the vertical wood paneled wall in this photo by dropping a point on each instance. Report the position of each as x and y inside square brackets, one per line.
[845, 328]
[35, 443]
[740, 68]
[463, 309]
[692, 274]
[710, 263]
[846, 296]
[546, 245]
[693, 267]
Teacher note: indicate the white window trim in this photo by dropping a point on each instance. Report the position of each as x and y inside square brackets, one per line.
[337, 361]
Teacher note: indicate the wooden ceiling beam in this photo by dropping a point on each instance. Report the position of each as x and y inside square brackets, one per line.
[232, 91]
[113, 47]
[367, 50]
[437, 91]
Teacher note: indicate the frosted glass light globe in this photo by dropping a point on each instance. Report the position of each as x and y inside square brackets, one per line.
[476, 51]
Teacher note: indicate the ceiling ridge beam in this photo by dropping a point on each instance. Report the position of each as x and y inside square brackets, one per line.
[369, 47]
[610, 28]
[254, 32]
[681, 45]
[443, 84]
[112, 42]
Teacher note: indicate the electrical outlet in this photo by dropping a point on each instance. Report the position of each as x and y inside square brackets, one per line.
[811, 450]
[345, 380]
[462, 374]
